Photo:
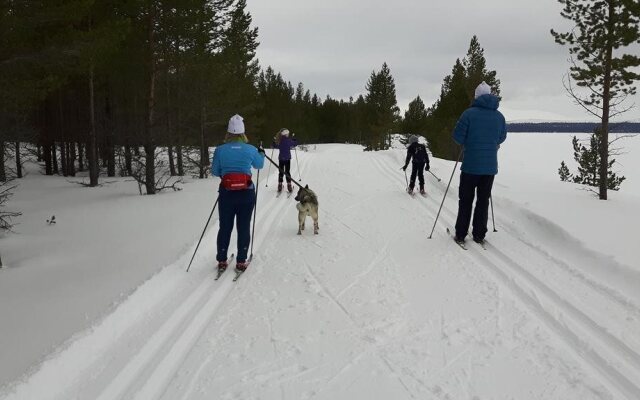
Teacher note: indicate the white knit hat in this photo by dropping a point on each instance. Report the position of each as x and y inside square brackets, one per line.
[284, 132]
[483, 89]
[236, 125]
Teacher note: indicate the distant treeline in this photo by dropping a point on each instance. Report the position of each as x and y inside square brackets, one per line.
[572, 127]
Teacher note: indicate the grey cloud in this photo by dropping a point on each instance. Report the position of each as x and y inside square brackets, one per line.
[333, 45]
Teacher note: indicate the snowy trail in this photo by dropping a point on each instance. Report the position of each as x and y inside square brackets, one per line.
[615, 360]
[369, 308]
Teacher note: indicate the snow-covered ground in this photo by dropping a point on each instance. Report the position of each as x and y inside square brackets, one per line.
[369, 309]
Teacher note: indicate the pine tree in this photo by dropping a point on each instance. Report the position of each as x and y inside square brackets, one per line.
[382, 104]
[240, 67]
[603, 29]
[564, 173]
[444, 113]
[457, 95]
[415, 118]
[475, 66]
[588, 159]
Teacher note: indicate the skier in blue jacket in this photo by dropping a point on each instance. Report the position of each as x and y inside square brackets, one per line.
[480, 131]
[232, 162]
[284, 144]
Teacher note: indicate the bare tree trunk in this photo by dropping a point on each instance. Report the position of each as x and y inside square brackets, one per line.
[204, 153]
[179, 159]
[46, 155]
[172, 162]
[128, 160]
[39, 153]
[606, 101]
[3, 172]
[110, 152]
[80, 157]
[63, 159]
[149, 146]
[54, 159]
[170, 135]
[18, 161]
[92, 154]
[71, 159]
[63, 153]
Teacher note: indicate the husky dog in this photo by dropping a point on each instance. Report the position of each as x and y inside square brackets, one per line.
[308, 205]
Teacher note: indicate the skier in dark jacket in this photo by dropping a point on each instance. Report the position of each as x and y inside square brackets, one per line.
[232, 162]
[284, 144]
[417, 152]
[480, 131]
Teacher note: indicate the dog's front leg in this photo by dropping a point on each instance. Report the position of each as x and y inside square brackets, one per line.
[300, 223]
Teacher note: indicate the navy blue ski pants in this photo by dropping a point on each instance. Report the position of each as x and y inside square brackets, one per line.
[417, 168]
[284, 169]
[469, 185]
[238, 205]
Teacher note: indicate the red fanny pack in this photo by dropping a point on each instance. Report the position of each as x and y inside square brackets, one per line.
[236, 181]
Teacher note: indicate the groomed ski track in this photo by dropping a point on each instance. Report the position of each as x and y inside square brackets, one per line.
[368, 309]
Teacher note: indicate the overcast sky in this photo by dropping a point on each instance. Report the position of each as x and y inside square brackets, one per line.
[333, 45]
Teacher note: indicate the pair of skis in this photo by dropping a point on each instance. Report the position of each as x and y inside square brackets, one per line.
[288, 194]
[413, 194]
[462, 243]
[237, 271]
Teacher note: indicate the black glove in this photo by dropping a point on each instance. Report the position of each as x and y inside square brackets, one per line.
[404, 168]
[261, 150]
[426, 167]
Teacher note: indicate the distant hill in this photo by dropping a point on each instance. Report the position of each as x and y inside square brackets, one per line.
[571, 127]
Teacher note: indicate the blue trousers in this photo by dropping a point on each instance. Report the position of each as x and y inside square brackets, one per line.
[235, 205]
[469, 185]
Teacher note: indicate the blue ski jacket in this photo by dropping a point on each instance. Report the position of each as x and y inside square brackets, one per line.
[236, 157]
[480, 130]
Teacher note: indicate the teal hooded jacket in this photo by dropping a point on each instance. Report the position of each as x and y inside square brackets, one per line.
[480, 130]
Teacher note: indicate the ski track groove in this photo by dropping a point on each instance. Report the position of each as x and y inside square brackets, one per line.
[170, 345]
[269, 214]
[353, 321]
[377, 259]
[498, 265]
[604, 290]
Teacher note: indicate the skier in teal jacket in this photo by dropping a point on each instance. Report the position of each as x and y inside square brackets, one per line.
[480, 131]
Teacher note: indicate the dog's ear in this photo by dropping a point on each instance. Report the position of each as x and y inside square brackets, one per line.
[306, 186]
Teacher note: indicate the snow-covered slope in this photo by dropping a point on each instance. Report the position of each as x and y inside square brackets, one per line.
[373, 309]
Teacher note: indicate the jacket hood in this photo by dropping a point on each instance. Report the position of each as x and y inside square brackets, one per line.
[488, 101]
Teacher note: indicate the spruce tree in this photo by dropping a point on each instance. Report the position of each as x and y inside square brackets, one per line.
[588, 159]
[382, 104]
[240, 66]
[415, 118]
[603, 29]
[475, 66]
[457, 95]
[564, 173]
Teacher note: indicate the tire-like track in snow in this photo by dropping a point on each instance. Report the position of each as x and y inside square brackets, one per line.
[613, 360]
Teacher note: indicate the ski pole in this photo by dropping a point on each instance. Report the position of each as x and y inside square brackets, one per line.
[406, 179]
[297, 163]
[492, 215]
[292, 179]
[203, 231]
[434, 175]
[255, 211]
[269, 171]
[445, 193]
